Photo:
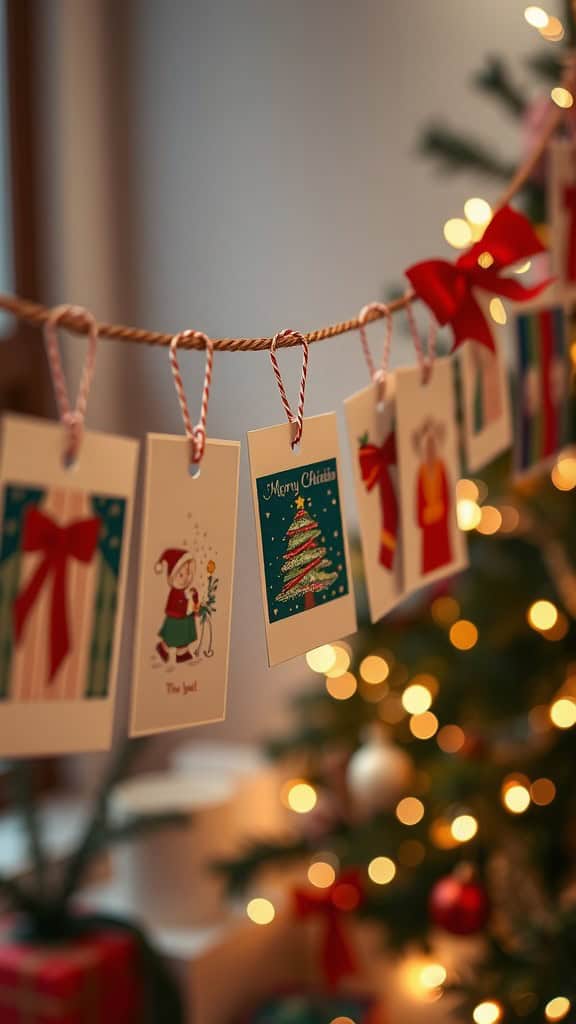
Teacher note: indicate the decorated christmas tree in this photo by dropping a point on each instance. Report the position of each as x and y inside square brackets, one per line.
[304, 562]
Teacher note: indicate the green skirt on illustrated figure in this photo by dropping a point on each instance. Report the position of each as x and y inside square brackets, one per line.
[178, 632]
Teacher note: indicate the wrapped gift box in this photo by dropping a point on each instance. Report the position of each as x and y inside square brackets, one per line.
[93, 979]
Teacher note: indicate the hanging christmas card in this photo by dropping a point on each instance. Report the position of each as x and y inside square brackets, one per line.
[562, 214]
[302, 546]
[185, 585]
[542, 385]
[487, 418]
[372, 436]
[63, 553]
[427, 451]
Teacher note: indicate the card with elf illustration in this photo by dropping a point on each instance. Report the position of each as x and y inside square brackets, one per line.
[427, 452]
[65, 536]
[187, 553]
[561, 182]
[372, 436]
[543, 422]
[303, 553]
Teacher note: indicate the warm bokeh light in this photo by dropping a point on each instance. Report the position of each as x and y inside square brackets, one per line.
[424, 726]
[342, 1020]
[451, 739]
[321, 659]
[441, 834]
[523, 268]
[299, 796]
[542, 792]
[260, 910]
[342, 657]
[563, 713]
[564, 473]
[485, 260]
[463, 635]
[536, 17]
[488, 1012]
[374, 669]
[477, 211]
[382, 870]
[433, 975]
[444, 610]
[497, 311]
[559, 629]
[510, 518]
[539, 718]
[411, 852]
[410, 810]
[542, 615]
[342, 687]
[464, 828]
[557, 1008]
[490, 520]
[390, 709]
[416, 699]
[468, 514]
[516, 798]
[562, 97]
[467, 490]
[321, 874]
[554, 31]
[458, 233]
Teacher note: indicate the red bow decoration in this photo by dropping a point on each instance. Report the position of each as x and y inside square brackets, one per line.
[56, 544]
[375, 465]
[336, 955]
[570, 205]
[448, 287]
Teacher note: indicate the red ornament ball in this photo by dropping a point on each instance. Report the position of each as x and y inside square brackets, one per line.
[459, 905]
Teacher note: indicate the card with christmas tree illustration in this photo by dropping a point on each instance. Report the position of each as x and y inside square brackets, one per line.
[561, 200]
[303, 549]
[181, 651]
[487, 416]
[65, 533]
[372, 438]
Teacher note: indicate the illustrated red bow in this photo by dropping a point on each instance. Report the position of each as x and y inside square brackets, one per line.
[570, 204]
[448, 288]
[336, 955]
[56, 544]
[375, 465]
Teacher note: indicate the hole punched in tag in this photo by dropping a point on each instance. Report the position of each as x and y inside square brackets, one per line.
[196, 434]
[296, 420]
[72, 419]
[378, 374]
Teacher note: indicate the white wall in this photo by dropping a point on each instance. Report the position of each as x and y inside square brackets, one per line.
[269, 151]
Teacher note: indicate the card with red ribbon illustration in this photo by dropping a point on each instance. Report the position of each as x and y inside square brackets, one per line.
[187, 553]
[65, 536]
[561, 180]
[307, 589]
[485, 394]
[372, 436]
[543, 424]
[427, 451]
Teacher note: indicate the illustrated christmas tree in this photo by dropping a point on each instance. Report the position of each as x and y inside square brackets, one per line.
[304, 561]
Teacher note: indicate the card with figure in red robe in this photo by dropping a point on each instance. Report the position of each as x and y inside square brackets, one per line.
[427, 451]
[372, 437]
[561, 182]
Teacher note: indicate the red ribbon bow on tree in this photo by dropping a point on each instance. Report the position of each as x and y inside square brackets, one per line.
[570, 205]
[375, 465]
[336, 955]
[56, 544]
[448, 288]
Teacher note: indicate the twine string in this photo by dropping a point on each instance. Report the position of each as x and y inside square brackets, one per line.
[72, 418]
[195, 434]
[425, 359]
[377, 374]
[298, 419]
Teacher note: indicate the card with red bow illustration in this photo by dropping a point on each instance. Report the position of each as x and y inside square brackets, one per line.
[64, 538]
[372, 437]
[561, 180]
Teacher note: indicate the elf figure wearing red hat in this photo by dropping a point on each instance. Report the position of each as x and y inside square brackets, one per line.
[178, 630]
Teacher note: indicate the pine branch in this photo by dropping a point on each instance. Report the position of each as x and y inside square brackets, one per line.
[241, 870]
[460, 153]
[22, 785]
[142, 825]
[495, 80]
[547, 66]
[17, 897]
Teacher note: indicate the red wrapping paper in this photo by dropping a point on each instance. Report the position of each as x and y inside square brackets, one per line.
[93, 980]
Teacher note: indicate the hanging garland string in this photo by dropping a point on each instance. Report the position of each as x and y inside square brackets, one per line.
[36, 314]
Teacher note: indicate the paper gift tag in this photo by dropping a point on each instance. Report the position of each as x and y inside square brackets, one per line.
[427, 449]
[372, 436]
[63, 555]
[307, 588]
[542, 386]
[486, 403]
[562, 214]
[185, 585]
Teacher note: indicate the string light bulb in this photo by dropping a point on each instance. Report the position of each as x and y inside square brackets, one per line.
[497, 311]
[516, 798]
[341, 662]
[381, 870]
[536, 17]
[463, 635]
[562, 97]
[557, 1008]
[458, 233]
[464, 828]
[260, 910]
[416, 699]
[374, 669]
[542, 615]
[299, 796]
[433, 976]
[554, 31]
[563, 713]
[321, 659]
[342, 687]
[468, 514]
[488, 1012]
[410, 811]
[477, 211]
[321, 874]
